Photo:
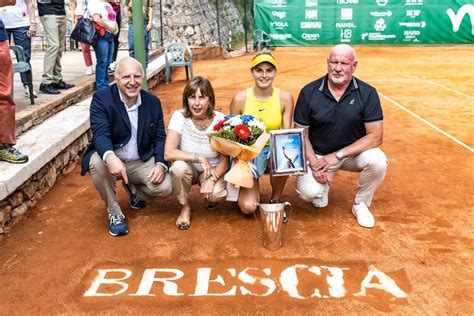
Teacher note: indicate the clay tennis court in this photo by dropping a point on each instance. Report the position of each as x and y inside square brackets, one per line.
[417, 260]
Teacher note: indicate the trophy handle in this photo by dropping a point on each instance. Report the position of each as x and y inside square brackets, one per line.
[287, 216]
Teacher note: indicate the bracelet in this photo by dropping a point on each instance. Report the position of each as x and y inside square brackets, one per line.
[32, 22]
[196, 158]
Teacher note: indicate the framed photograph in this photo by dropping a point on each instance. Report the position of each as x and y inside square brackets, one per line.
[287, 151]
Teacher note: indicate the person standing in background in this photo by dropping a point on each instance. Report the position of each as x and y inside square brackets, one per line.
[20, 24]
[78, 9]
[147, 26]
[7, 106]
[104, 16]
[118, 18]
[52, 15]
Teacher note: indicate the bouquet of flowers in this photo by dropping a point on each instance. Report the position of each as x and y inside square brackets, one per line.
[242, 137]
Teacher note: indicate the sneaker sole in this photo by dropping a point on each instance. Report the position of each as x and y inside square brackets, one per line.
[14, 161]
[116, 235]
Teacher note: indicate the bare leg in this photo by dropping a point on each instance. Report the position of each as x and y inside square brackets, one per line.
[249, 198]
[184, 220]
[278, 184]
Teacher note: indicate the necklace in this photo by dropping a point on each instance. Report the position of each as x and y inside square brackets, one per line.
[201, 127]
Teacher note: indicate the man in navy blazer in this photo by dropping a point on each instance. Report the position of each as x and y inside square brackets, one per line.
[128, 139]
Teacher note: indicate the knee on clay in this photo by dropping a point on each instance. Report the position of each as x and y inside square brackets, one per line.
[247, 207]
[179, 169]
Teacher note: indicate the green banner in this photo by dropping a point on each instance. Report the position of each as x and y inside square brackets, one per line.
[323, 22]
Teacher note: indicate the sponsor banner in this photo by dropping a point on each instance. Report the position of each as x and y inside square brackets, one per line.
[329, 22]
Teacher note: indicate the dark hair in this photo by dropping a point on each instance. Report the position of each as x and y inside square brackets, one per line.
[204, 85]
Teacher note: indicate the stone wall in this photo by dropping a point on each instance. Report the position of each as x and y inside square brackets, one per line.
[41, 182]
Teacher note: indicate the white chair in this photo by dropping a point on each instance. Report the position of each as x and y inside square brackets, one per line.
[178, 54]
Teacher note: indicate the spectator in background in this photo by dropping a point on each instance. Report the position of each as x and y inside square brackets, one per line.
[78, 9]
[118, 18]
[104, 15]
[53, 17]
[147, 25]
[7, 106]
[20, 24]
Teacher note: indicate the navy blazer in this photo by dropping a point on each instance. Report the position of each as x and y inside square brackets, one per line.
[111, 129]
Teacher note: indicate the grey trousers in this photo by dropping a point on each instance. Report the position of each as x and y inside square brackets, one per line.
[184, 175]
[372, 165]
[55, 32]
[137, 172]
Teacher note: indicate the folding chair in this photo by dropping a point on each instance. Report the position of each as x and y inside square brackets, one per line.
[178, 54]
[261, 40]
[22, 66]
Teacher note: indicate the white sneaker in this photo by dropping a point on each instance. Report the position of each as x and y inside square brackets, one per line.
[27, 93]
[112, 66]
[363, 215]
[321, 201]
[89, 70]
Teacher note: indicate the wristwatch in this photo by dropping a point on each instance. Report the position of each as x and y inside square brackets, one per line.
[339, 155]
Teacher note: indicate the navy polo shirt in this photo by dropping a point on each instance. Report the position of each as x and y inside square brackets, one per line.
[336, 124]
[3, 33]
[52, 7]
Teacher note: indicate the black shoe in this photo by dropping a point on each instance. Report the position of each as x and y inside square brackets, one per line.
[62, 85]
[135, 203]
[49, 88]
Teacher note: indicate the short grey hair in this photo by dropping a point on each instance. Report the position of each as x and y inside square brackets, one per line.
[119, 63]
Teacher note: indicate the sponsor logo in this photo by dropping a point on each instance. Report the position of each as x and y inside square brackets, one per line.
[377, 36]
[347, 1]
[382, 3]
[279, 4]
[280, 36]
[278, 25]
[379, 14]
[279, 14]
[345, 25]
[413, 13]
[346, 35]
[311, 14]
[421, 24]
[311, 25]
[380, 25]
[413, 2]
[311, 3]
[346, 14]
[411, 33]
[457, 18]
[310, 36]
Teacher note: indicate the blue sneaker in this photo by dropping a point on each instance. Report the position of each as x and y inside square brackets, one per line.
[135, 203]
[117, 225]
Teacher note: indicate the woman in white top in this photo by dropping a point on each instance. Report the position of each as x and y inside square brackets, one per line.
[20, 23]
[189, 149]
[104, 15]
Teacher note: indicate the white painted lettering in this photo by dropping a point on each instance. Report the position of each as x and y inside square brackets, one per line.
[335, 281]
[245, 277]
[101, 279]
[289, 280]
[169, 288]
[386, 284]
[204, 278]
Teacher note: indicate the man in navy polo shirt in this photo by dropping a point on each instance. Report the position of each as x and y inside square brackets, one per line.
[343, 119]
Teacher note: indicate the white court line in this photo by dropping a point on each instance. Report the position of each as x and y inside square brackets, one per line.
[455, 91]
[429, 123]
